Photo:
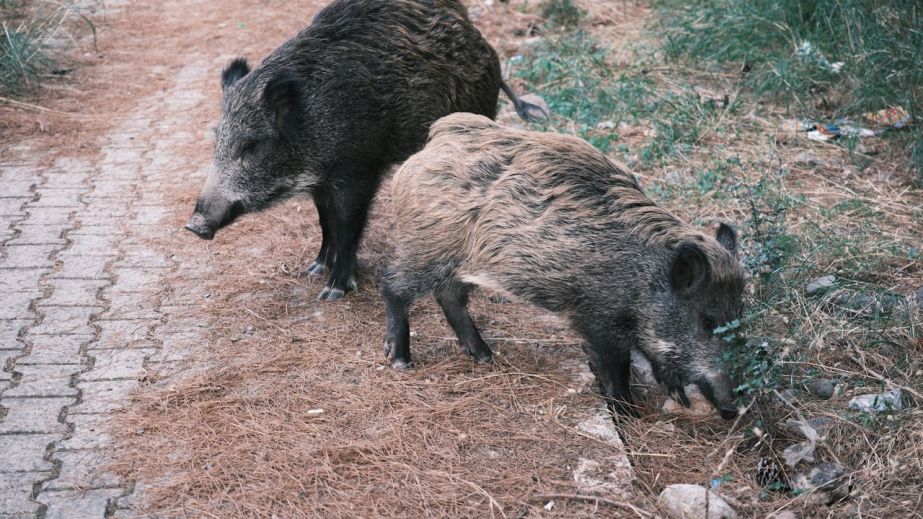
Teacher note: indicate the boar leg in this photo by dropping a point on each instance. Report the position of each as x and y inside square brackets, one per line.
[611, 344]
[325, 256]
[351, 210]
[397, 335]
[454, 302]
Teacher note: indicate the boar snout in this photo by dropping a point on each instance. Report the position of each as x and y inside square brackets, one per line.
[718, 389]
[212, 214]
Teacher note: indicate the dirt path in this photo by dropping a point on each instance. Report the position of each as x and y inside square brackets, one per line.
[145, 371]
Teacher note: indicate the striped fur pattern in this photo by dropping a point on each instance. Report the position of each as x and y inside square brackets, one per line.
[548, 219]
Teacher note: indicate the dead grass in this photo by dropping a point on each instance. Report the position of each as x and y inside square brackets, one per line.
[293, 412]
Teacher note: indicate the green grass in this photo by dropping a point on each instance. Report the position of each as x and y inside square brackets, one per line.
[879, 44]
[33, 37]
[570, 70]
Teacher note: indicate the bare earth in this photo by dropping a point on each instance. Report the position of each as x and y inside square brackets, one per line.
[146, 373]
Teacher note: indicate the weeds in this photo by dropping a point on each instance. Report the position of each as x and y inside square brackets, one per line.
[828, 59]
[32, 36]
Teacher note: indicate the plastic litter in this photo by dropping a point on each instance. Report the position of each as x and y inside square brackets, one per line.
[892, 117]
[809, 54]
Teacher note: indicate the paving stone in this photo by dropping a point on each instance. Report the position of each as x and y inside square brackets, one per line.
[103, 396]
[77, 267]
[70, 504]
[142, 257]
[16, 188]
[150, 215]
[54, 349]
[9, 333]
[129, 306]
[43, 381]
[118, 364]
[40, 235]
[23, 281]
[66, 320]
[120, 334]
[136, 280]
[25, 452]
[34, 415]
[83, 469]
[110, 228]
[68, 179]
[16, 304]
[74, 292]
[49, 215]
[93, 245]
[91, 431]
[16, 493]
[69, 198]
[27, 256]
[13, 206]
[112, 189]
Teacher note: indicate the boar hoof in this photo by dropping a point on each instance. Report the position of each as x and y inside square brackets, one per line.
[389, 345]
[401, 364]
[316, 269]
[330, 294]
[482, 355]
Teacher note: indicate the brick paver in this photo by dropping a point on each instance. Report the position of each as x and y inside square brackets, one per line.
[81, 322]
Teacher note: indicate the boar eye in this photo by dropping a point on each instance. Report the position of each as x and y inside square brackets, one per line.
[709, 324]
[246, 149]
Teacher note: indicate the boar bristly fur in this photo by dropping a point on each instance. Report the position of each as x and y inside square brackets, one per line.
[548, 219]
[328, 112]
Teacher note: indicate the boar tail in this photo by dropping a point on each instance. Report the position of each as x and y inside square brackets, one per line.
[527, 111]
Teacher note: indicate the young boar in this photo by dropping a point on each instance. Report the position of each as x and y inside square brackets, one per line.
[329, 111]
[548, 219]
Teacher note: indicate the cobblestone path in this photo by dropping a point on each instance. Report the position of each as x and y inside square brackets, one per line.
[78, 325]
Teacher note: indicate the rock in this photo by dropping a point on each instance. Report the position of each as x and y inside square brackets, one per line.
[689, 502]
[920, 297]
[784, 514]
[866, 304]
[878, 402]
[826, 482]
[821, 387]
[821, 424]
[820, 285]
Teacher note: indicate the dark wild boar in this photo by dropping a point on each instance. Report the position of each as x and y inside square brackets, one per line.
[329, 111]
[548, 219]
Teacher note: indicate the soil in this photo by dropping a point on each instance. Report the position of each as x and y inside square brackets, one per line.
[278, 405]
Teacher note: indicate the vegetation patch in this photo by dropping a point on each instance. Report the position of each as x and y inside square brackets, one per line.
[34, 37]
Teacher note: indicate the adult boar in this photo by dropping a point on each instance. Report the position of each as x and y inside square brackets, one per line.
[548, 219]
[329, 111]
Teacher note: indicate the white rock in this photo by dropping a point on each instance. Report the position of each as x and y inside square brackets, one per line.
[689, 502]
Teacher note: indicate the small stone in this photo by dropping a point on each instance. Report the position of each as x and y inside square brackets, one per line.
[826, 482]
[784, 514]
[878, 402]
[820, 285]
[821, 387]
[920, 297]
[689, 502]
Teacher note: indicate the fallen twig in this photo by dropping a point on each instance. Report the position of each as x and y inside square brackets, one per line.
[598, 499]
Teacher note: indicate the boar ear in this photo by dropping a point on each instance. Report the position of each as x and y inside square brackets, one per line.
[283, 96]
[690, 269]
[233, 72]
[727, 237]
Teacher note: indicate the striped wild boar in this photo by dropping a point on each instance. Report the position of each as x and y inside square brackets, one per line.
[327, 113]
[548, 219]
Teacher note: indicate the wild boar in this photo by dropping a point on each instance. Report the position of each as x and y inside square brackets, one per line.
[328, 112]
[548, 219]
